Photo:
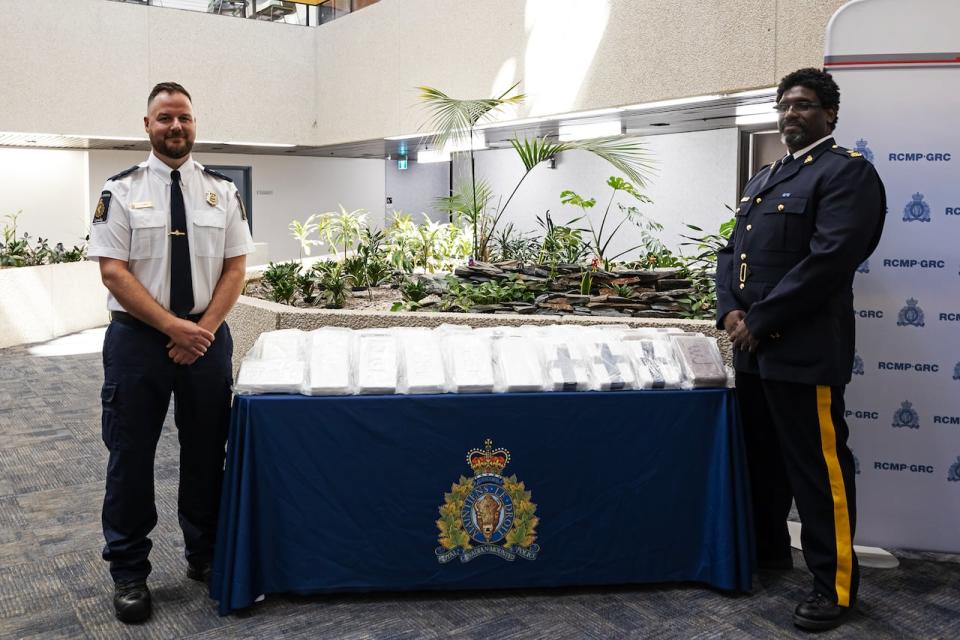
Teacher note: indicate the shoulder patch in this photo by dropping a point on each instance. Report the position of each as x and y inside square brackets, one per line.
[217, 174]
[103, 207]
[124, 173]
[843, 151]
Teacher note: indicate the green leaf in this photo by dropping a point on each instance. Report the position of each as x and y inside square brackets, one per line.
[451, 119]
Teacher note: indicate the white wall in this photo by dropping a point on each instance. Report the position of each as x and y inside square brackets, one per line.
[48, 187]
[413, 190]
[696, 176]
[85, 67]
[289, 188]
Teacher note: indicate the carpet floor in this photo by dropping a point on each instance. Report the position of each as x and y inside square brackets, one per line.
[53, 583]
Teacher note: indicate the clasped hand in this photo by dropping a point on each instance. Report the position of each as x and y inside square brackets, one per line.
[188, 342]
[739, 333]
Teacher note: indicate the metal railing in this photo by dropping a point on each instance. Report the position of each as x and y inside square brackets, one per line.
[302, 12]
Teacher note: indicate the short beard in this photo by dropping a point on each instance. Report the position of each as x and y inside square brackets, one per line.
[796, 140]
[160, 146]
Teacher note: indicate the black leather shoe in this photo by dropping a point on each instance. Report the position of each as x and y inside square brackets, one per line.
[818, 613]
[200, 571]
[131, 601]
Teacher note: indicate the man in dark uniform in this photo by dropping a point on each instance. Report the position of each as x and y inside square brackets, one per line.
[785, 298]
[171, 239]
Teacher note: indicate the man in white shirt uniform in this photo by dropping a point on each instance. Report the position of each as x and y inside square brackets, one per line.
[171, 238]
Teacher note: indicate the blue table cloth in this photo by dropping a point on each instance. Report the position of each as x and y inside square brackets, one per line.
[365, 493]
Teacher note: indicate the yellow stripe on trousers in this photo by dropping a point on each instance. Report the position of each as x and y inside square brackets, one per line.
[841, 516]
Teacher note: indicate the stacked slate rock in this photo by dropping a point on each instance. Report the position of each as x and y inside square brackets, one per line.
[655, 291]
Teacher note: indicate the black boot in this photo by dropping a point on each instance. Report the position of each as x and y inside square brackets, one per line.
[131, 600]
[818, 613]
[200, 570]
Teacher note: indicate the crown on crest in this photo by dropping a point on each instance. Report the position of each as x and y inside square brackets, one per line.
[487, 460]
[911, 302]
[918, 197]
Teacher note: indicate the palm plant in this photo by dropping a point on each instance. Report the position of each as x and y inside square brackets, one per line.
[453, 119]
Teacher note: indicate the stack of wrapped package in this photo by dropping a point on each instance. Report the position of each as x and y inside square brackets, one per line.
[459, 359]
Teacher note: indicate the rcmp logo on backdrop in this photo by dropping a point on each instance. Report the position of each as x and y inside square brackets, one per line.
[910, 315]
[906, 416]
[487, 514]
[916, 210]
[864, 150]
[954, 474]
[864, 267]
[857, 364]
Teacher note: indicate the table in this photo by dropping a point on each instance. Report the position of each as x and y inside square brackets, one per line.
[340, 494]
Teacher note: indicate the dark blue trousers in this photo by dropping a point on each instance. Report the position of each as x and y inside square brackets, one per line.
[796, 439]
[139, 378]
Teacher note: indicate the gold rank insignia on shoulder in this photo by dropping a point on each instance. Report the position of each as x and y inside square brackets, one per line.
[855, 154]
[211, 198]
[808, 160]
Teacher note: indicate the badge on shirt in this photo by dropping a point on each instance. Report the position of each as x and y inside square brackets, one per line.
[211, 198]
[103, 207]
[243, 212]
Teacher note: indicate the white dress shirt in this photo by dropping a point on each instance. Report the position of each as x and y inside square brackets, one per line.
[135, 227]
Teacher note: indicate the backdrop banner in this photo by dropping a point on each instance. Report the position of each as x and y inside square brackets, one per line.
[898, 67]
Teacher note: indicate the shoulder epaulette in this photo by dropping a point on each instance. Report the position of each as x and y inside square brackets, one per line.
[124, 173]
[846, 153]
[217, 174]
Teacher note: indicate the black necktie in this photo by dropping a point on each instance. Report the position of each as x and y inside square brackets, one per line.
[181, 280]
[784, 161]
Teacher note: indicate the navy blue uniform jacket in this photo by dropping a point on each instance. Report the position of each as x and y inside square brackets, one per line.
[799, 238]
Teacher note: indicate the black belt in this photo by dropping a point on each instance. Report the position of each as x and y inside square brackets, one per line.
[125, 318]
[765, 274]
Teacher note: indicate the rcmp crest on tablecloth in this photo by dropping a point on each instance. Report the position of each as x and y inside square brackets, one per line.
[487, 514]
[906, 416]
[857, 364]
[916, 210]
[954, 474]
[910, 315]
[864, 150]
[864, 267]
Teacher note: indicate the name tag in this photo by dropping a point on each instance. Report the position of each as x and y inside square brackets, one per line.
[141, 205]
